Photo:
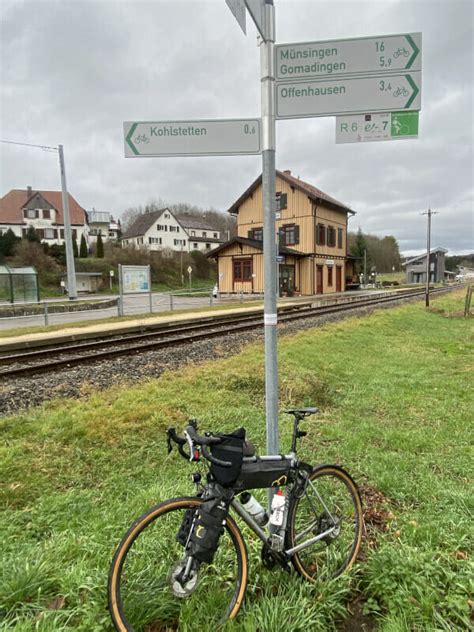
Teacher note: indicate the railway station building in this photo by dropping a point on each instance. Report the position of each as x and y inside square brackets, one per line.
[312, 251]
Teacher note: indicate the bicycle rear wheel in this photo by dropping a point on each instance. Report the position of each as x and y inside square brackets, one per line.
[144, 593]
[330, 506]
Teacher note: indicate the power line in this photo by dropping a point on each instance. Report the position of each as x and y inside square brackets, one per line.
[45, 147]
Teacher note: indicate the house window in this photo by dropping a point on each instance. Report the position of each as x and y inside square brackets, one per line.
[204, 234]
[216, 236]
[30, 213]
[339, 237]
[46, 213]
[330, 276]
[167, 216]
[195, 246]
[154, 240]
[331, 236]
[172, 229]
[74, 233]
[321, 234]
[290, 234]
[243, 269]
[281, 201]
[256, 233]
[208, 246]
[49, 233]
[193, 233]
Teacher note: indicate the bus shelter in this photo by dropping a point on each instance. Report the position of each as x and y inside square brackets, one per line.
[19, 285]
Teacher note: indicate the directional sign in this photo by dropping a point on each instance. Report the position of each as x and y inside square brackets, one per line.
[362, 56]
[256, 10]
[238, 10]
[360, 128]
[349, 95]
[192, 138]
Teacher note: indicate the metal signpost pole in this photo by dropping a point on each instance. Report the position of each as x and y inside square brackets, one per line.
[269, 246]
[428, 248]
[149, 285]
[120, 303]
[71, 273]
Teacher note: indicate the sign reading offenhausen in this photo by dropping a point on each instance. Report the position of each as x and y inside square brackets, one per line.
[360, 56]
[192, 138]
[348, 95]
[372, 127]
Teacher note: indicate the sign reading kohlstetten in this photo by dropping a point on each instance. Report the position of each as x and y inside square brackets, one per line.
[192, 138]
[365, 55]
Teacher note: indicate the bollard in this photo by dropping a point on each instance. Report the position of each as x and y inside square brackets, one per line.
[119, 306]
[46, 319]
[171, 302]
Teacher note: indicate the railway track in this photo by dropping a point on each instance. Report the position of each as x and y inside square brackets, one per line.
[63, 356]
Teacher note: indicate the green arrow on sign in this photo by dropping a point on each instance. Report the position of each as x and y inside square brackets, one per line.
[129, 139]
[416, 50]
[415, 91]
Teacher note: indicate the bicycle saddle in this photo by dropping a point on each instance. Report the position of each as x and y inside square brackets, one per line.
[301, 412]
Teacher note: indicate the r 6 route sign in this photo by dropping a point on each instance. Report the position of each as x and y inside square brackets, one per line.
[192, 138]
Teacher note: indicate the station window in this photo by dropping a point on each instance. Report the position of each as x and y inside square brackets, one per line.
[243, 269]
[290, 234]
[339, 237]
[330, 269]
[256, 233]
[331, 236]
[321, 235]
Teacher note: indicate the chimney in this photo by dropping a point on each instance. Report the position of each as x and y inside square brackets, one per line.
[288, 172]
[29, 192]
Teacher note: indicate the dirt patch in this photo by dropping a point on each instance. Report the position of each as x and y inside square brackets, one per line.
[356, 620]
[377, 514]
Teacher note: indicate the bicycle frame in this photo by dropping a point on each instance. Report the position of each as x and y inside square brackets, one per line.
[263, 536]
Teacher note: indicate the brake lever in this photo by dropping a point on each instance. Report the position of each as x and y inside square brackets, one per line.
[191, 447]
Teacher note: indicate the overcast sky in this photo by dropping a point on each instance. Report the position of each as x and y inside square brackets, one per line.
[73, 71]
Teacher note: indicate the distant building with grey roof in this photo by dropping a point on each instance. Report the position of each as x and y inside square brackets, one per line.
[164, 230]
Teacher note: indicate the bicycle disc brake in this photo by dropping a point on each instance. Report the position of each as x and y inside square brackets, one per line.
[180, 588]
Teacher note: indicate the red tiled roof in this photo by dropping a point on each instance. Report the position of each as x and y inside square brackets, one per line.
[314, 193]
[14, 201]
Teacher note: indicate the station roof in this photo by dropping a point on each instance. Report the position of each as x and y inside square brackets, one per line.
[311, 191]
[258, 245]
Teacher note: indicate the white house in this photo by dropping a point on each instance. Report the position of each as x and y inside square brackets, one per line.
[102, 223]
[43, 210]
[162, 230]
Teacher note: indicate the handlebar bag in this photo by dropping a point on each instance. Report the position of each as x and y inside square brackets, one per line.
[230, 449]
[258, 474]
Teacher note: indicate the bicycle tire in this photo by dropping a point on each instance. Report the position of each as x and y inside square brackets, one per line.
[132, 612]
[331, 556]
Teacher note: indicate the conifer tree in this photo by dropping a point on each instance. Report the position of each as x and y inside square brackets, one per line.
[100, 247]
[83, 252]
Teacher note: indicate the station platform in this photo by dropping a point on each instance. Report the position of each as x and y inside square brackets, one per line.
[136, 324]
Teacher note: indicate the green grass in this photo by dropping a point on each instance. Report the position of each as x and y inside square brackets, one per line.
[395, 392]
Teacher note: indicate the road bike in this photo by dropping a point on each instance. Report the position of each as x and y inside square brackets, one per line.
[185, 563]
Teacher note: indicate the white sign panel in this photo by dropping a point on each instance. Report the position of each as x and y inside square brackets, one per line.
[135, 279]
[362, 56]
[359, 128]
[192, 138]
[349, 95]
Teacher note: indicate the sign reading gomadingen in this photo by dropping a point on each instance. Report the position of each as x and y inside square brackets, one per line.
[363, 55]
[192, 138]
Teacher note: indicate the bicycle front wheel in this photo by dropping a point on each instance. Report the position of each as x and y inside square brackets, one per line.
[327, 517]
[145, 591]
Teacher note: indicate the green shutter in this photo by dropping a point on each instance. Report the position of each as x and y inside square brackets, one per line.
[283, 201]
[297, 234]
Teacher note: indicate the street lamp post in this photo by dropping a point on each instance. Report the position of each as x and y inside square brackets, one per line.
[429, 213]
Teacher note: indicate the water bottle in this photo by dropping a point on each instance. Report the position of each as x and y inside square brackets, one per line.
[254, 508]
[278, 509]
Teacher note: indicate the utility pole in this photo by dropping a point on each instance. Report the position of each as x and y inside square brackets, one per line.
[71, 272]
[267, 72]
[365, 267]
[428, 251]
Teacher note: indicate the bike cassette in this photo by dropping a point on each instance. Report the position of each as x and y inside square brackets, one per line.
[180, 588]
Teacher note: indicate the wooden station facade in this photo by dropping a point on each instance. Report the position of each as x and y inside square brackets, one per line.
[312, 232]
